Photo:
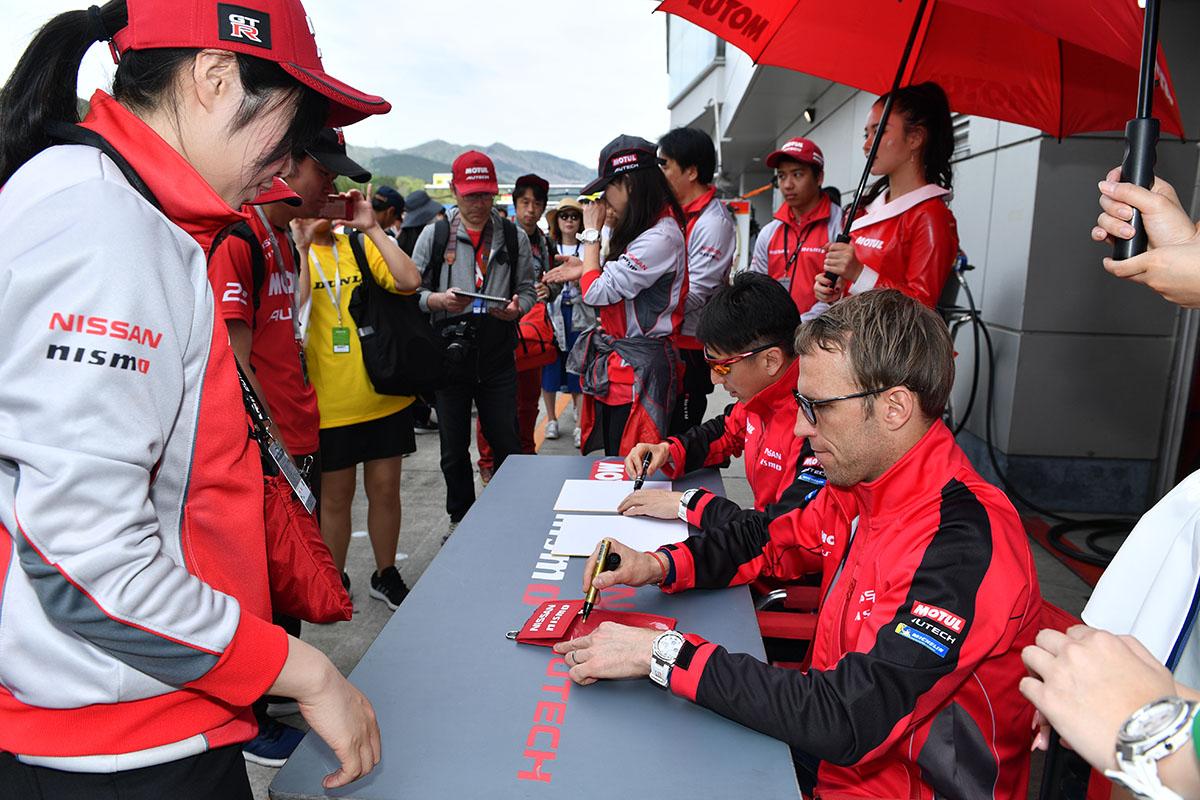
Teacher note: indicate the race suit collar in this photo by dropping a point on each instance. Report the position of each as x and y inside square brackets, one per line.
[920, 473]
[820, 211]
[777, 398]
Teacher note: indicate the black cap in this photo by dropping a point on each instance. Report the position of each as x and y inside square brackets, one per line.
[387, 197]
[623, 154]
[420, 209]
[536, 181]
[329, 149]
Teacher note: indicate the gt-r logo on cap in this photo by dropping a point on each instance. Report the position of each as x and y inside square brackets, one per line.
[244, 25]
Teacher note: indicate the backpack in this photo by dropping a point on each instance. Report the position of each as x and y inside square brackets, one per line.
[401, 353]
[432, 277]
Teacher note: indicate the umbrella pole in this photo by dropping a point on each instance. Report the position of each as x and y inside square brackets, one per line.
[1141, 135]
[852, 212]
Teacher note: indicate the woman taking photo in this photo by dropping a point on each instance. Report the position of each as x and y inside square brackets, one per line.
[567, 315]
[906, 237]
[134, 619]
[628, 366]
[358, 425]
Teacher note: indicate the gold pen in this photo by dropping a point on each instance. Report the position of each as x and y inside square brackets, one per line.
[601, 559]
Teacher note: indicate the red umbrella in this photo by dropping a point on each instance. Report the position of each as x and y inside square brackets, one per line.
[1063, 66]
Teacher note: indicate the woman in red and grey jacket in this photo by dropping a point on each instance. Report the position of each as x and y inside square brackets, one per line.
[906, 237]
[747, 332]
[929, 590]
[135, 613]
[628, 367]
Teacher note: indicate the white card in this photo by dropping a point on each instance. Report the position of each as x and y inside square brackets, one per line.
[578, 534]
[601, 497]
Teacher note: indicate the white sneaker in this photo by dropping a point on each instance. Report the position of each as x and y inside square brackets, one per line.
[552, 429]
[578, 437]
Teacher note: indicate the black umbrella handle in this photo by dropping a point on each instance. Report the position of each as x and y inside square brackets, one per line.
[1141, 138]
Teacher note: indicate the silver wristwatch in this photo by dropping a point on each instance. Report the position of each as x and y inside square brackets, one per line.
[589, 236]
[662, 658]
[684, 500]
[1154, 731]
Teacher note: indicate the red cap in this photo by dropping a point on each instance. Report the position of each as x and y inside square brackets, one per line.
[279, 192]
[474, 172]
[274, 30]
[798, 149]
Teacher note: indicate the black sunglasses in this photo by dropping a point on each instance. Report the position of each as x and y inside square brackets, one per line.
[809, 407]
[570, 215]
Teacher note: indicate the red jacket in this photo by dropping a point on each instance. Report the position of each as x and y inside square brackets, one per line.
[908, 244]
[793, 253]
[929, 593]
[781, 468]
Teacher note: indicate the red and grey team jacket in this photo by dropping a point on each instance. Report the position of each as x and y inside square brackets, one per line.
[134, 607]
[793, 251]
[907, 244]
[929, 592]
[781, 469]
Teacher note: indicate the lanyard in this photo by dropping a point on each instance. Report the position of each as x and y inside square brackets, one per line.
[279, 263]
[789, 267]
[335, 296]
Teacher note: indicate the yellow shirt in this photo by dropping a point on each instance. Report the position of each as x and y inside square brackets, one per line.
[344, 392]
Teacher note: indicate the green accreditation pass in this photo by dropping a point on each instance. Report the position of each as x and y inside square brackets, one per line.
[341, 340]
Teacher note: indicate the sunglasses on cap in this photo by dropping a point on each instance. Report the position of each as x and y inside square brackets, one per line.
[723, 366]
[809, 407]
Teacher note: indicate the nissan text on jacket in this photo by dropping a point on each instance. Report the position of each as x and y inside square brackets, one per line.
[781, 468]
[134, 606]
[929, 592]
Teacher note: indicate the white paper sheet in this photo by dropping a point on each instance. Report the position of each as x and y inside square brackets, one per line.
[578, 534]
[598, 497]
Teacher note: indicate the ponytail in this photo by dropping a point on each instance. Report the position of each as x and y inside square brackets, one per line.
[924, 106]
[41, 89]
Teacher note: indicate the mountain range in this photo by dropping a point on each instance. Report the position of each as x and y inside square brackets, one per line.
[425, 159]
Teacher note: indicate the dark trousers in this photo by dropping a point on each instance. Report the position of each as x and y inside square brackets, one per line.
[495, 396]
[692, 402]
[611, 420]
[529, 392]
[215, 775]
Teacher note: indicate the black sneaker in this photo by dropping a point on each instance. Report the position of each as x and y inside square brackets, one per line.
[389, 587]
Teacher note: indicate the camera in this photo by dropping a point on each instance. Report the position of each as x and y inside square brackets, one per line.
[460, 340]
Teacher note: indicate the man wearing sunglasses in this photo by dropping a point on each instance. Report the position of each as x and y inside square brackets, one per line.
[747, 331]
[688, 159]
[791, 247]
[929, 590]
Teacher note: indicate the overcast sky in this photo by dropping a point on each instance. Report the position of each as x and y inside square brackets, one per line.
[560, 77]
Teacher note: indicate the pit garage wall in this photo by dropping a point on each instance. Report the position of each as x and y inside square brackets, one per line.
[1083, 361]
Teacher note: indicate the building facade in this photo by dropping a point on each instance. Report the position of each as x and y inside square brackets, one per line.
[1092, 373]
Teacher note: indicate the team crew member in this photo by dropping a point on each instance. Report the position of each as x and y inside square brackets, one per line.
[135, 606]
[906, 238]
[688, 159]
[535, 334]
[253, 274]
[628, 366]
[929, 589]
[748, 330]
[358, 424]
[791, 247]
[476, 251]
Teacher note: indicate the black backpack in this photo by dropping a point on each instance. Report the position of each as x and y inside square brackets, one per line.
[432, 277]
[402, 354]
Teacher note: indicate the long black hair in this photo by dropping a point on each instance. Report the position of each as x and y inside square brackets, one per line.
[924, 106]
[649, 196]
[41, 89]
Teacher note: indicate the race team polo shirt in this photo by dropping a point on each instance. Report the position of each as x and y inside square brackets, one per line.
[275, 349]
[344, 392]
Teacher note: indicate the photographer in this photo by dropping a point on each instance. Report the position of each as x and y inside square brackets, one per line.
[477, 251]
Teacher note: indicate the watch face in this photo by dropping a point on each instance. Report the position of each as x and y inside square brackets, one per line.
[1152, 720]
[667, 646]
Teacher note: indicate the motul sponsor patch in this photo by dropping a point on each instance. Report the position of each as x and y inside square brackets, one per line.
[939, 615]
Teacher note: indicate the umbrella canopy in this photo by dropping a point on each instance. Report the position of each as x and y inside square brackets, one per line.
[1065, 67]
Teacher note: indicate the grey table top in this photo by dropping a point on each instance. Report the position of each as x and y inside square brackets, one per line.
[461, 708]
